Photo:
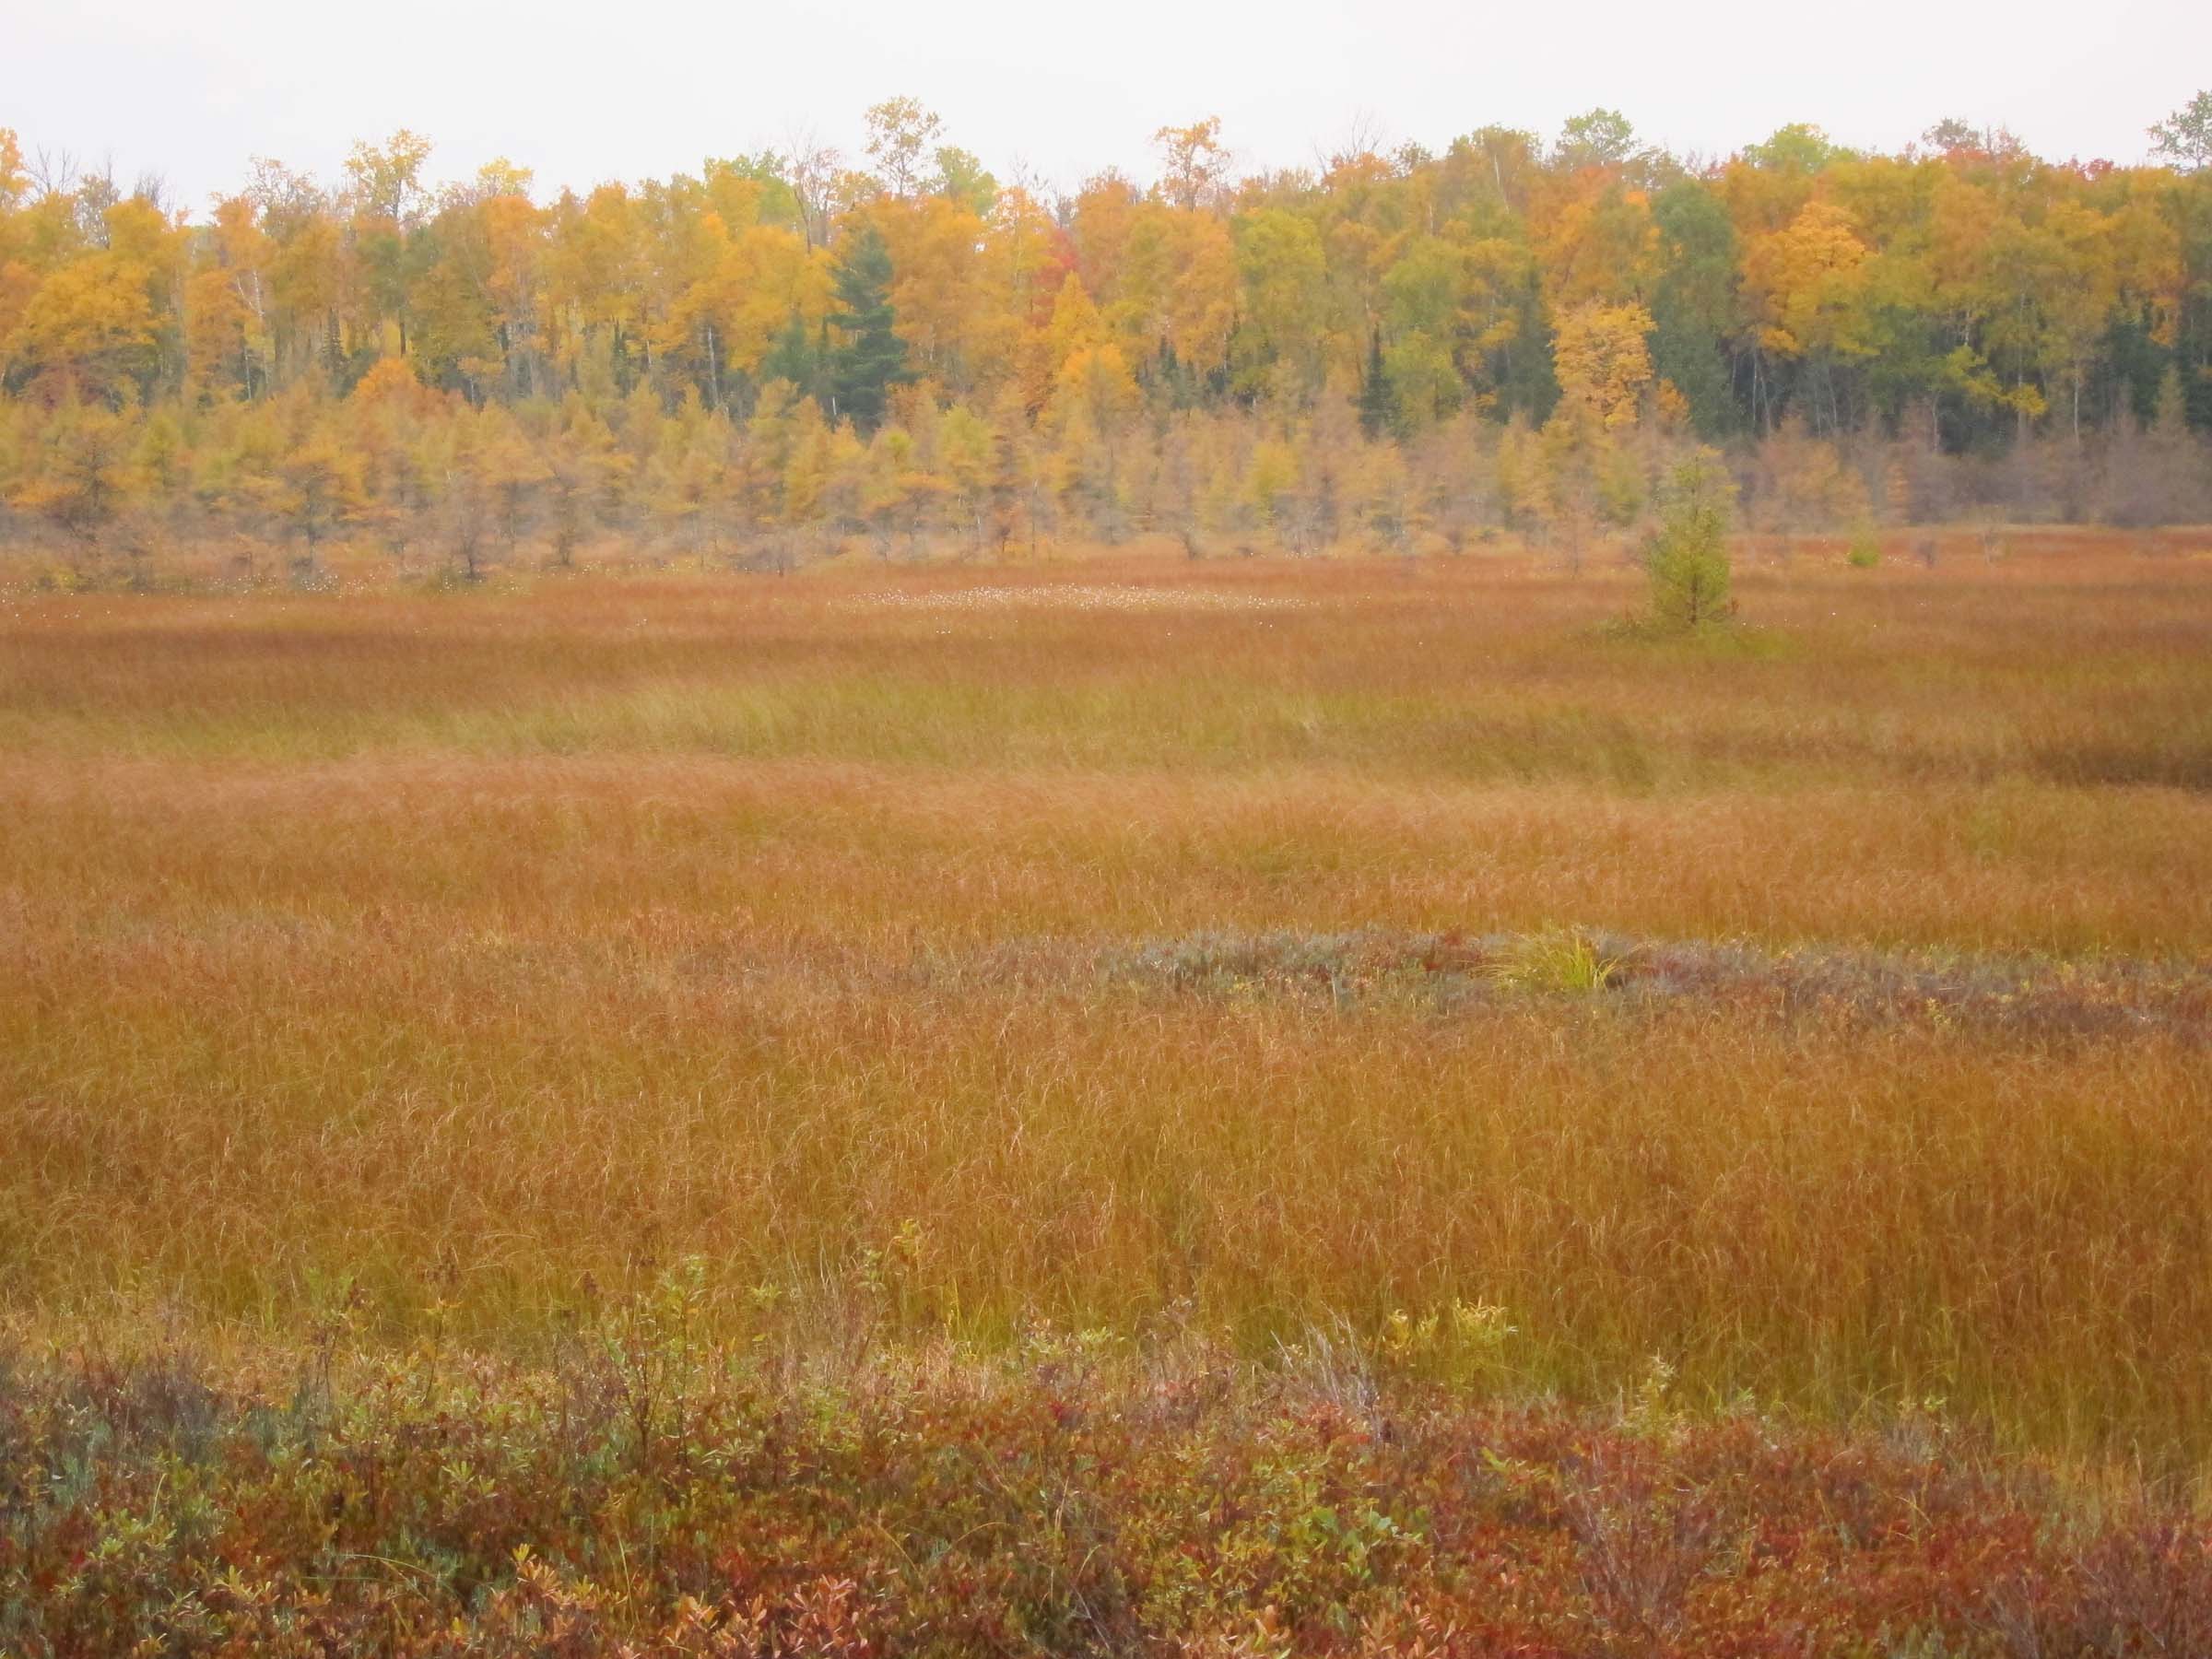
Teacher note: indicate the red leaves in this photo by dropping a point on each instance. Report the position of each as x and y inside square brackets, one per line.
[998, 1511]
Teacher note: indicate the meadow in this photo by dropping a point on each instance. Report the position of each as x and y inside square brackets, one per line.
[1375, 974]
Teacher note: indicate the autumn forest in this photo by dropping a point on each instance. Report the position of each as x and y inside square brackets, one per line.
[796, 349]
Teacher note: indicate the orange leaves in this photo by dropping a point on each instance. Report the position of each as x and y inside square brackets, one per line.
[391, 383]
[1196, 166]
[1596, 241]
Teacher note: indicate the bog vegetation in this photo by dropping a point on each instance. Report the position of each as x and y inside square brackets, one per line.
[1428, 1105]
[789, 351]
[1120, 1106]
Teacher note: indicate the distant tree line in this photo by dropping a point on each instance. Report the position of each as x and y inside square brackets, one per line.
[787, 349]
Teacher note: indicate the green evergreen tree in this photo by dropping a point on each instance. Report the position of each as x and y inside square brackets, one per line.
[1377, 402]
[1693, 305]
[795, 358]
[869, 359]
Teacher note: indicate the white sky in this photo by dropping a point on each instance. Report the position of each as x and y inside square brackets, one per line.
[582, 92]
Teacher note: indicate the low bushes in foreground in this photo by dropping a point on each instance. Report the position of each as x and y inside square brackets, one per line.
[650, 1493]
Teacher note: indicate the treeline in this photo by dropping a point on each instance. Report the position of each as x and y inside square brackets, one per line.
[785, 349]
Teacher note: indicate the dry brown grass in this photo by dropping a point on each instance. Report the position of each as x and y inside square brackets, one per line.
[492, 950]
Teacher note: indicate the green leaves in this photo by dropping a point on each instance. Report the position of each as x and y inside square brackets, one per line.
[870, 357]
[1688, 559]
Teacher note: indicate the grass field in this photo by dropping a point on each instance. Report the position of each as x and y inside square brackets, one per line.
[1346, 952]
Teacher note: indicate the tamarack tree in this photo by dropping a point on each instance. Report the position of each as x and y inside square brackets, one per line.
[1687, 558]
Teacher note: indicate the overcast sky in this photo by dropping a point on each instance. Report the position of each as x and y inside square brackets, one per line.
[582, 92]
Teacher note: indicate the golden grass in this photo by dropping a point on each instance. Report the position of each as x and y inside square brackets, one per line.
[494, 950]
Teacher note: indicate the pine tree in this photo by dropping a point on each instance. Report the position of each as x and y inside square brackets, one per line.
[796, 358]
[1378, 404]
[871, 358]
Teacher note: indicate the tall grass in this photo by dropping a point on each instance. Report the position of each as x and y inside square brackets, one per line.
[473, 959]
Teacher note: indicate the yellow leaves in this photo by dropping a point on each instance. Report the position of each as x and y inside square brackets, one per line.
[1763, 200]
[1107, 215]
[511, 232]
[1597, 244]
[596, 261]
[818, 452]
[765, 277]
[323, 480]
[86, 474]
[1095, 379]
[140, 234]
[737, 200]
[501, 179]
[384, 183]
[240, 243]
[1285, 272]
[2145, 247]
[499, 455]
[1966, 372]
[1024, 252]
[12, 180]
[965, 448]
[306, 271]
[1602, 360]
[1075, 326]
[1175, 281]
[90, 324]
[1196, 165]
[1963, 221]
[93, 321]
[1202, 307]
[1270, 477]
[942, 290]
[224, 335]
[1806, 280]
[18, 283]
[1423, 378]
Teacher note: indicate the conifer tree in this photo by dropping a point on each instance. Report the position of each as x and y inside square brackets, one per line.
[1378, 406]
[870, 359]
[1687, 559]
[795, 358]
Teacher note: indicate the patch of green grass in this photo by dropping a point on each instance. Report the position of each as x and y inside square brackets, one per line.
[1561, 962]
